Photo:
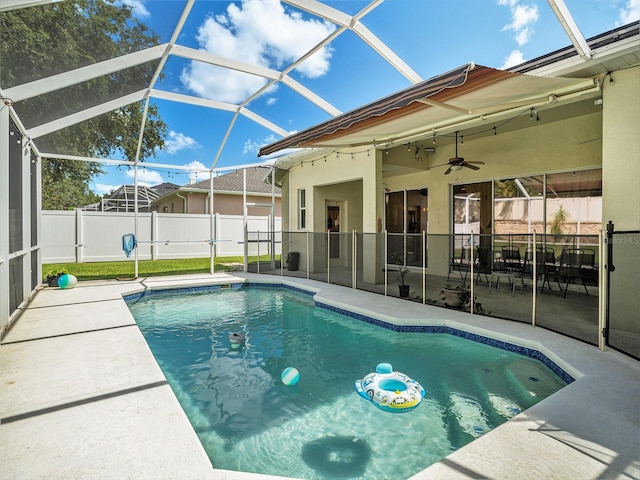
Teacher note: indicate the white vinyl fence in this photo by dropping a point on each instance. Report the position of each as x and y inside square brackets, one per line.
[80, 236]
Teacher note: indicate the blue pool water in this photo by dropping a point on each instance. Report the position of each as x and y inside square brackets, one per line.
[320, 428]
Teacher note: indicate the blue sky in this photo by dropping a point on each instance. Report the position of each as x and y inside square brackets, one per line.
[431, 36]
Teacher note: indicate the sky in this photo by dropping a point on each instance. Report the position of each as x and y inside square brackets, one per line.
[430, 36]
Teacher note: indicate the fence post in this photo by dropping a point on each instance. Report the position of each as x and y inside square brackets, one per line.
[354, 274]
[534, 279]
[79, 236]
[472, 260]
[154, 235]
[328, 255]
[308, 259]
[386, 269]
[424, 267]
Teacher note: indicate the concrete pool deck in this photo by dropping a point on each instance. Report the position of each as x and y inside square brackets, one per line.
[82, 396]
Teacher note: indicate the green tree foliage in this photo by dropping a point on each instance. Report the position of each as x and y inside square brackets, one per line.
[41, 41]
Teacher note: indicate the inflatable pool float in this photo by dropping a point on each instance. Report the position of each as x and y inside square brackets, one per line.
[389, 390]
[237, 339]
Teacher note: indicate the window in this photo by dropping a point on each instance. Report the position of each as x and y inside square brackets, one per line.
[406, 215]
[302, 212]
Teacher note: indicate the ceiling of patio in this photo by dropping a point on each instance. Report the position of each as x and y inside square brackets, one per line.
[58, 82]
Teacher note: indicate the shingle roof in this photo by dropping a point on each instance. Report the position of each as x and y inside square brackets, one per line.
[233, 182]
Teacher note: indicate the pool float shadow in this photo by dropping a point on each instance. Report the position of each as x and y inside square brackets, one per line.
[337, 457]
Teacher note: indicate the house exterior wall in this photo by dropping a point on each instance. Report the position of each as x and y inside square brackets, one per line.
[621, 149]
[621, 191]
[546, 146]
[350, 178]
[223, 203]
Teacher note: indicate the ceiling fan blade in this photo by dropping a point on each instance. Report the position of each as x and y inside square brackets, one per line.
[477, 162]
[472, 167]
[439, 165]
[448, 171]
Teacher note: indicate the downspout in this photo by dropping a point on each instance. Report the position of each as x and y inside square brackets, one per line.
[184, 202]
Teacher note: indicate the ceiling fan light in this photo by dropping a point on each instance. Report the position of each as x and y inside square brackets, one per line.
[455, 168]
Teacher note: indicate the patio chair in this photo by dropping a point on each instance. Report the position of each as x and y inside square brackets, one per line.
[484, 263]
[547, 267]
[571, 268]
[462, 263]
[511, 265]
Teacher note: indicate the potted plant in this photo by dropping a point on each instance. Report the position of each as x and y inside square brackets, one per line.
[459, 297]
[52, 276]
[402, 272]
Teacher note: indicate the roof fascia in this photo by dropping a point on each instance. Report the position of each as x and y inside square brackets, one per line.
[226, 192]
[83, 74]
[575, 64]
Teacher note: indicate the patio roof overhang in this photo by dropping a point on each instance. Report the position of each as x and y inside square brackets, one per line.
[463, 97]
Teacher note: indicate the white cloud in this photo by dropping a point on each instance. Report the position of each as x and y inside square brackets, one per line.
[179, 141]
[147, 178]
[197, 172]
[630, 12]
[522, 18]
[271, 101]
[259, 32]
[139, 10]
[252, 146]
[101, 188]
[514, 58]
[196, 165]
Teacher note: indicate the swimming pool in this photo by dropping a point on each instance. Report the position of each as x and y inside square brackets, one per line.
[247, 420]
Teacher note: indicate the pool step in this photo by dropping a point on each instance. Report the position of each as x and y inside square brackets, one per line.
[528, 377]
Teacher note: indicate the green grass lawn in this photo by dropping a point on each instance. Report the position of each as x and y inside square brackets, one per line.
[146, 268]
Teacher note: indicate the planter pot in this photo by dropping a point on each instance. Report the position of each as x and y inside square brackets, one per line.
[53, 281]
[452, 298]
[404, 290]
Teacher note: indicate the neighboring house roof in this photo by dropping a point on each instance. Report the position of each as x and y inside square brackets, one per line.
[234, 182]
[164, 188]
[123, 198]
[467, 94]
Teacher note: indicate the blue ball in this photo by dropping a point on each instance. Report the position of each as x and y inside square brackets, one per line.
[290, 376]
[67, 281]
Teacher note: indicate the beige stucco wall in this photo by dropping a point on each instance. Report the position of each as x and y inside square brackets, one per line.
[621, 191]
[621, 149]
[353, 178]
[544, 147]
[550, 145]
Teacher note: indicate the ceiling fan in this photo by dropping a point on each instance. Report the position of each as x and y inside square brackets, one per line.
[456, 163]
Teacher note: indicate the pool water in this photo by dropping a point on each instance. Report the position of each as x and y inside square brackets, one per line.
[320, 428]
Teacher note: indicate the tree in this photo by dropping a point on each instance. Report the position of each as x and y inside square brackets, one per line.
[41, 41]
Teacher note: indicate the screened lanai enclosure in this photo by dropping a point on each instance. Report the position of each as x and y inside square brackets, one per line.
[88, 88]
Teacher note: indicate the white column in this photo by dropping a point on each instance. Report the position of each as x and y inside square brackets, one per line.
[4, 217]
